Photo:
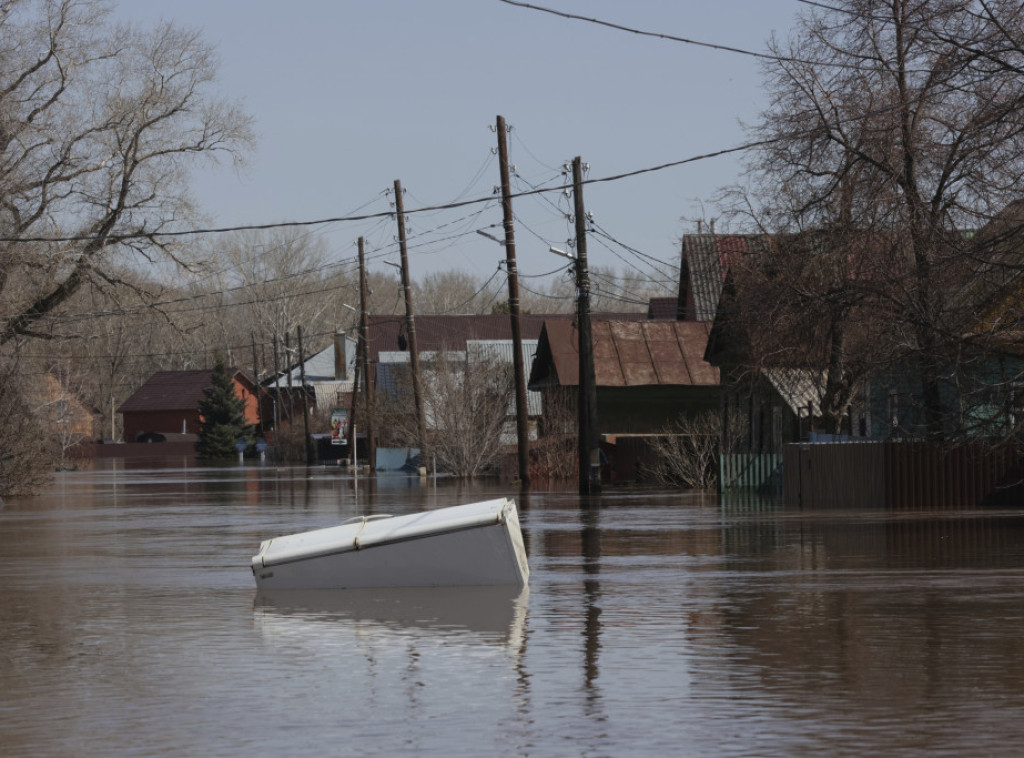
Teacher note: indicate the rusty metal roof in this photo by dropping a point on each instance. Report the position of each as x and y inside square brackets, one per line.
[627, 354]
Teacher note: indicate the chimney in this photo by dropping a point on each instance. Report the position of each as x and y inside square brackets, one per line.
[340, 362]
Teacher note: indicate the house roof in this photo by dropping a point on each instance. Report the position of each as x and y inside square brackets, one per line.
[801, 390]
[627, 354]
[174, 391]
[320, 367]
[705, 261]
[446, 333]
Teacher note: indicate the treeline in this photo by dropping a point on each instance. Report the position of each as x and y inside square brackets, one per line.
[247, 293]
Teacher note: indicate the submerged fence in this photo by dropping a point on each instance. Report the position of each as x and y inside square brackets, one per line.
[760, 473]
[901, 475]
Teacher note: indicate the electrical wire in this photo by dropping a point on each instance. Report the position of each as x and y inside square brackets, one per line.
[673, 38]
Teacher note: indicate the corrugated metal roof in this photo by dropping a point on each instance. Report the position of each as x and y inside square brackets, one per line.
[628, 354]
[799, 388]
[332, 394]
[706, 260]
[320, 367]
[173, 391]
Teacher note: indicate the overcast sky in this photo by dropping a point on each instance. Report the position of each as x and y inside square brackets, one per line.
[349, 96]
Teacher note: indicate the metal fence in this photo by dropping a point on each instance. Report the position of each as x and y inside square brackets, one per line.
[901, 475]
[757, 472]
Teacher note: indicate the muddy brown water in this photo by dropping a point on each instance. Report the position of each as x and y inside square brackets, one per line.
[655, 623]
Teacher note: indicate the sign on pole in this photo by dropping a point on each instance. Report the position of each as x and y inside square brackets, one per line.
[339, 426]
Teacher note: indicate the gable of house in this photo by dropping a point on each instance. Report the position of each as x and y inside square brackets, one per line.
[704, 264]
[329, 376]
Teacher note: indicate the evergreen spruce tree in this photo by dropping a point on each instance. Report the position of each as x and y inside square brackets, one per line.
[222, 417]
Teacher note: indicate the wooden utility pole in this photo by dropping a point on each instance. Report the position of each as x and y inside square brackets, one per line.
[277, 389]
[305, 401]
[363, 371]
[364, 348]
[410, 322]
[589, 450]
[522, 411]
[256, 387]
[288, 367]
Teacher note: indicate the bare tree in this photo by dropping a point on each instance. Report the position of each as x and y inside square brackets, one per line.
[25, 457]
[468, 399]
[686, 452]
[897, 126]
[99, 125]
[274, 281]
[456, 292]
[468, 404]
[59, 412]
[803, 305]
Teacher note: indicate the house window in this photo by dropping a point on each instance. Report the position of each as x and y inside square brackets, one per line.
[894, 413]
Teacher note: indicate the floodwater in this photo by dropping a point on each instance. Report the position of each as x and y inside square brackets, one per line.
[655, 623]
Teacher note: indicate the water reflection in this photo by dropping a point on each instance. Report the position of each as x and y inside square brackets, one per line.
[494, 615]
[955, 540]
[590, 543]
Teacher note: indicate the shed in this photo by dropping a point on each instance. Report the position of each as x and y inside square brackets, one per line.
[647, 372]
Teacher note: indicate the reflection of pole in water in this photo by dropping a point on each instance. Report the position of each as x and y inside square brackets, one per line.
[590, 539]
[523, 506]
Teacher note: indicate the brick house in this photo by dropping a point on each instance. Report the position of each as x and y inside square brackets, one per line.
[168, 403]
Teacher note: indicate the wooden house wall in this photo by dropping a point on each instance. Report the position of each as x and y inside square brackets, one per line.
[650, 409]
[627, 410]
[982, 400]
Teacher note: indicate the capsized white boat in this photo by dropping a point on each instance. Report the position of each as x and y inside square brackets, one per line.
[473, 544]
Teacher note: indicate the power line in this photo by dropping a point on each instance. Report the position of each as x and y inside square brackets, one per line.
[673, 38]
[114, 238]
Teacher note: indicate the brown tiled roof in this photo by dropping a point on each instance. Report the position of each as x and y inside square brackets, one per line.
[171, 391]
[627, 354]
